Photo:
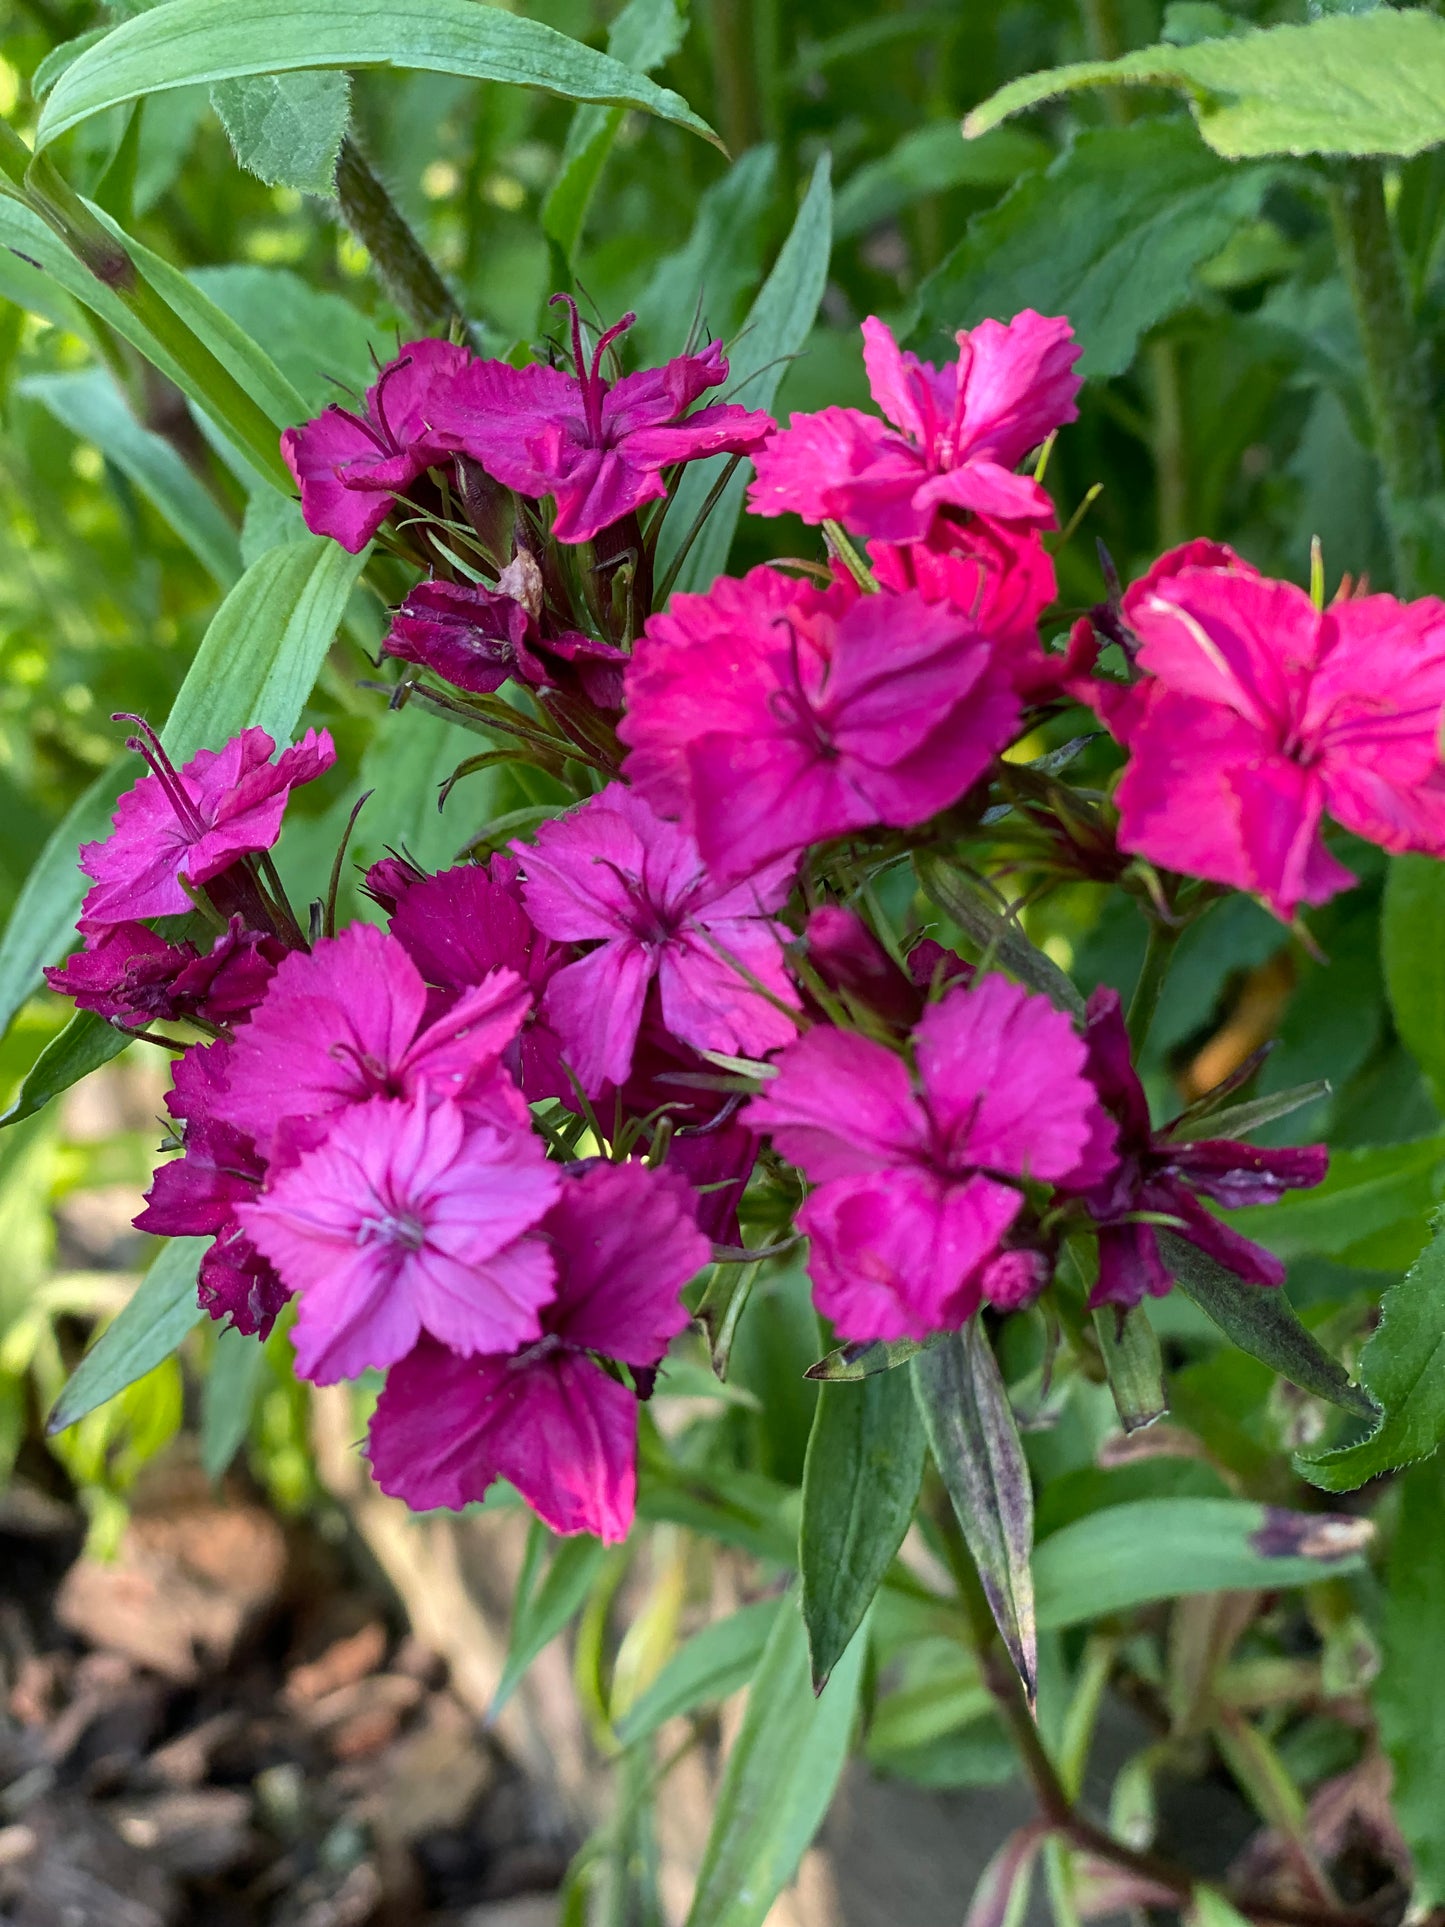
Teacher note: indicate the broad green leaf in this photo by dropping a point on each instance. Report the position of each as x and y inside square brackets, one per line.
[718, 264]
[1151, 1549]
[1362, 84]
[83, 1046]
[986, 921]
[860, 1485]
[1409, 1694]
[287, 129]
[147, 1329]
[644, 35]
[975, 1444]
[715, 1662]
[1262, 1323]
[543, 1610]
[1371, 1210]
[1412, 945]
[929, 160]
[1134, 1364]
[227, 1398]
[779, 1778]
[91, 406]
[188, 41]
[1403, 1367]
[776, 328]
[1110, 236]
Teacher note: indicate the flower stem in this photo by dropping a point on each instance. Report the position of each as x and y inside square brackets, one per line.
[1158, 955]
[407, 271]
[1395, 389]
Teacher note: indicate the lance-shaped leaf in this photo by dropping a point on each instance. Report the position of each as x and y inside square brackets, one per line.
[1264, 1324]
[541, 1610]
[982, 917]
[228, 1398]
[1001, 1897]
[1134, 1364]
[83, 1046]
[715, 1662]
[863, 1359]
[975, 1444]
[1412, 949]
[1238, 1120]
[146, 1330]
[860, 1486]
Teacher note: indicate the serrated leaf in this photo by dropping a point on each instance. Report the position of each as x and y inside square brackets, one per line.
[228, 1397]
[778, 1780]
[860, 1485]
[714, 1663]
[1109, 235]
[975, 1444]
[190, 41]
[1403, 1368]
[146, 1330]
[1412, 947]
[1263, 1323]
[541, 1611]
[1409, 1694]
[1363, 84]
[286, 129]
[83, 1046]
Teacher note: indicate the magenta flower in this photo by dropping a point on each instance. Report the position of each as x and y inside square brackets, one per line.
[769, 715]
[192, 823]
[347, 1022]
[1259, 714]
[351, 467]
[917, 1174]
[598, 448]
[476, 638]
[958, 433]
[132, 977]
[406, 1219]
[549, 1419]
[610, 872]
[1157, 1174]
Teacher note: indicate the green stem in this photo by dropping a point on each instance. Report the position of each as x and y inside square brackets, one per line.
[1395, 388]
[1158, 955]
[406, 270]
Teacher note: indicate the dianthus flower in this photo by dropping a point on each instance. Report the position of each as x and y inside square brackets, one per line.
[350, 466]
[917, 1173]
[1157, 1173]
[477, 638]
[1258, 714]
[407, 1218]
[958, 433]
[347, 1022]
[192, 823]
[769, 714]
[549, 1418]
[612, 873]
[598, 448]
[131, 977]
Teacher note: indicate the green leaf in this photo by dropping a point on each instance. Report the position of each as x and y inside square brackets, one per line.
[644, 35]
[83, 1046]
[1403, 1367]
[1264, 1324]
[318, 341]
[860, 1486]
[777, 325]
[1128, 1555]
[779, 1778]
[863, 1359]
[145, 1331]
[1134, 1365]
[930, 160]
[1412, 945]
[975, 1445]
[209, 40]
[1110, 236]
[543, 1610]
[91, 406]
[287, 129]
[1409, 1694]
[716, 1662]
[228, 1397]
[1371, 1210]
[718, 264]
[989, 923]
[1362, 84]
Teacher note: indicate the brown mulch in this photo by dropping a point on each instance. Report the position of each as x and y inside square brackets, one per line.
[228, 1725]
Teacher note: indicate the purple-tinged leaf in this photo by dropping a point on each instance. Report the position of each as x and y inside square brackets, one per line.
[1001, 1897]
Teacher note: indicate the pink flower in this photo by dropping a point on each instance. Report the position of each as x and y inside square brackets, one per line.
[1259, 714]
[351, 467]
[913, 1171]
[768, 714]
[347, 1023]
[612, 873]
[1157, 1174]
[550, 1419]
[958, 433]
[476, 638]
[597, 447]
[192, 823]
[132, 977]
[406, 1219]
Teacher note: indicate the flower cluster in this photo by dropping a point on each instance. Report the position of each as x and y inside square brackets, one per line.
[483, 1147]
